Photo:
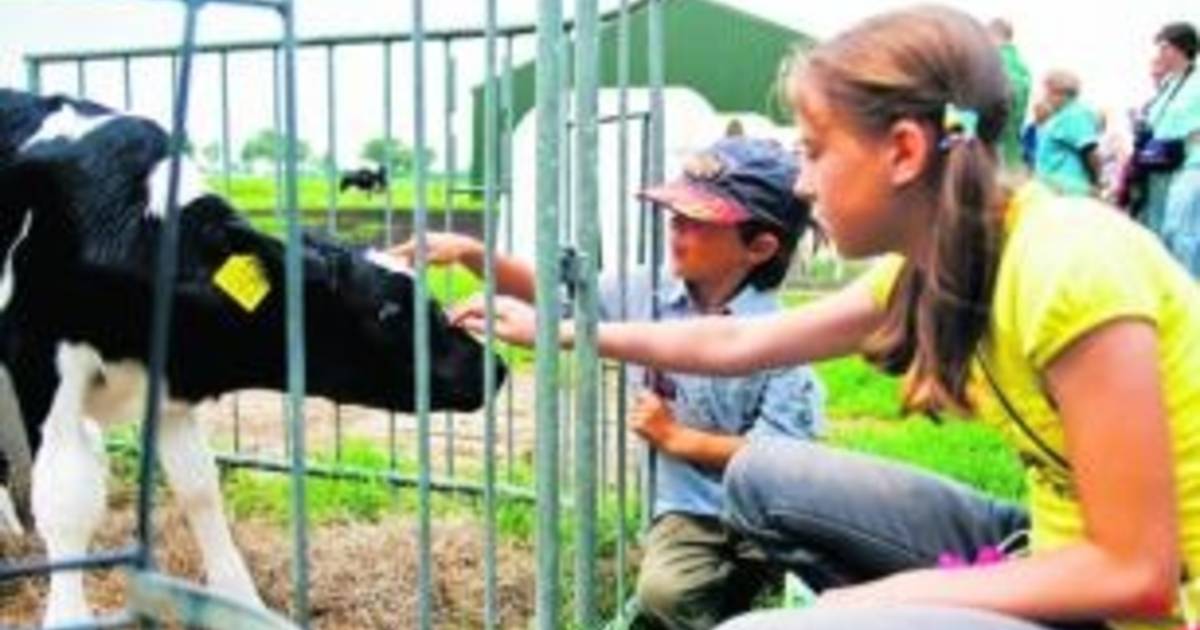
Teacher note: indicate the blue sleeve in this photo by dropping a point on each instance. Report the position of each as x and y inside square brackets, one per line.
[637, 295]
[792, 406]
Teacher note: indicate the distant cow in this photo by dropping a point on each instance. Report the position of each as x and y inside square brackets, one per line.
[365, 179]
[82, 206]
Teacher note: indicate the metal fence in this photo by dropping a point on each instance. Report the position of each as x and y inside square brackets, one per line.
[581, 452]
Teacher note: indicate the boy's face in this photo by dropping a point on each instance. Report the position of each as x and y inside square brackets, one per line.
[705, 251]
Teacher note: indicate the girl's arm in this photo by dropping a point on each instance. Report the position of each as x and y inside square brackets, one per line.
[514, 276]
[832, 326]
[1109, 393]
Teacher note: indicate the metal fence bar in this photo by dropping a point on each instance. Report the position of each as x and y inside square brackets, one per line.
[33, 75]
[294, 281]
[587, 307]
[491, 613]
[506, 170]
[566, 234]
[80, 79]
[277, 129]
[159, 598]
[448, 182]
[421, 315]
[127, 83]
[388, 155]
[164, 278]
[393, 460]
[226, 136]
[99, 560]
[331, 178]
[549, 121]
[655, 74]
[392, 478]
[622, 288]
[342, 40]
[331, 164]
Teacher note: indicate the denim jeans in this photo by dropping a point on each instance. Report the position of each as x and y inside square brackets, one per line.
[836, 518]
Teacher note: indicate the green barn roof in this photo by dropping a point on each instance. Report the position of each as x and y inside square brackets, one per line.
[727, 55]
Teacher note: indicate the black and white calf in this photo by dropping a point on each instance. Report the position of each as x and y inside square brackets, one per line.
[82, 202]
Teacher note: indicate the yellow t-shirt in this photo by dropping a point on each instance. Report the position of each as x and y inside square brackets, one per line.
[1069, 265]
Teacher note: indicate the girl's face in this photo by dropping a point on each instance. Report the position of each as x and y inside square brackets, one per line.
[852, 179]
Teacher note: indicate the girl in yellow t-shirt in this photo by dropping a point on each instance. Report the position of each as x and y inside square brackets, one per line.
[1056, 319]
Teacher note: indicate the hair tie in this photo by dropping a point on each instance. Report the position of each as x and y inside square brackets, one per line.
[959, 124]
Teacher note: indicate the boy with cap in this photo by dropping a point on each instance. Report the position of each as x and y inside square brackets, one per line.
[734, 225]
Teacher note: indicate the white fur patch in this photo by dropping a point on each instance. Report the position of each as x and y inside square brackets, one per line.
[122, 396]
[8, 281]
[67, 123]
[379, 258]
[9, 522]
[191, 186]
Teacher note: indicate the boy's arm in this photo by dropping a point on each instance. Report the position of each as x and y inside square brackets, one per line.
[790, 406]
[514, 276]
[653, 421]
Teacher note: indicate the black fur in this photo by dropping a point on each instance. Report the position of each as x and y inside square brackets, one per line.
[85, 273]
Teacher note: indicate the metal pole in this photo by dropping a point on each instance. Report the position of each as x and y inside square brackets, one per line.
[225, 134]
[168, 248]
[421, 315]
[549, 129]
[331, 166]
[622, 286]
[506, 170]
[80, 79]
[33, 76]
[448, 182]
[587, 308]
[387, 205]
[295, 329]
[277, 126]
[655, 66]
[491, 612]
[388, 210]
[127, 82]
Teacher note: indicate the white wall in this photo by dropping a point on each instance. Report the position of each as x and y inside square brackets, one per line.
[691, 125]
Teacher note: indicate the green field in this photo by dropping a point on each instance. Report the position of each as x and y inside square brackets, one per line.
[258, 193]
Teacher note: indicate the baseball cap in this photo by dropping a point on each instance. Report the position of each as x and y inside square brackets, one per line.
[737, 179]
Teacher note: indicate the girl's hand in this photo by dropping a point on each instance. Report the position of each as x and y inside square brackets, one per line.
[441, 249]
[514, 320]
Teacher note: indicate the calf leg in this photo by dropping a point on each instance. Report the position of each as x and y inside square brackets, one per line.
[68, 492]
[192, 474]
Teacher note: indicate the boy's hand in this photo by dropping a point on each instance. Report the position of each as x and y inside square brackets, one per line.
[441, 249]
[653, 421]
[515, 321]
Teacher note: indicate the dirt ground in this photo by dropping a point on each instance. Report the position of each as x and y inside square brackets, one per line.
[362, 575]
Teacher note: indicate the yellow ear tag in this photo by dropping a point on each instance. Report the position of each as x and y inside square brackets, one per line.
[243, 279]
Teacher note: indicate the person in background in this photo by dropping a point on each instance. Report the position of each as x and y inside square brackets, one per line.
[1066, 158]
[1172, 152]
[1001, 32]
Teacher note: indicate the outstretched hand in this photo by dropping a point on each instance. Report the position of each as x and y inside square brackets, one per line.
[514, 320]
[441, 249]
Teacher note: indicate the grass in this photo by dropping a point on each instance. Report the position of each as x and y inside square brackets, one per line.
[256, 193]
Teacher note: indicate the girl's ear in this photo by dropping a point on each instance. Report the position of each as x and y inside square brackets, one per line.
[910, 147]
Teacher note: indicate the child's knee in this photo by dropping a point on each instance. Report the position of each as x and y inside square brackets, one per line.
[660, 592]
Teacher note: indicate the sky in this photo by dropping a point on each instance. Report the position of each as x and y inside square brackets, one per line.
[1107, 43]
